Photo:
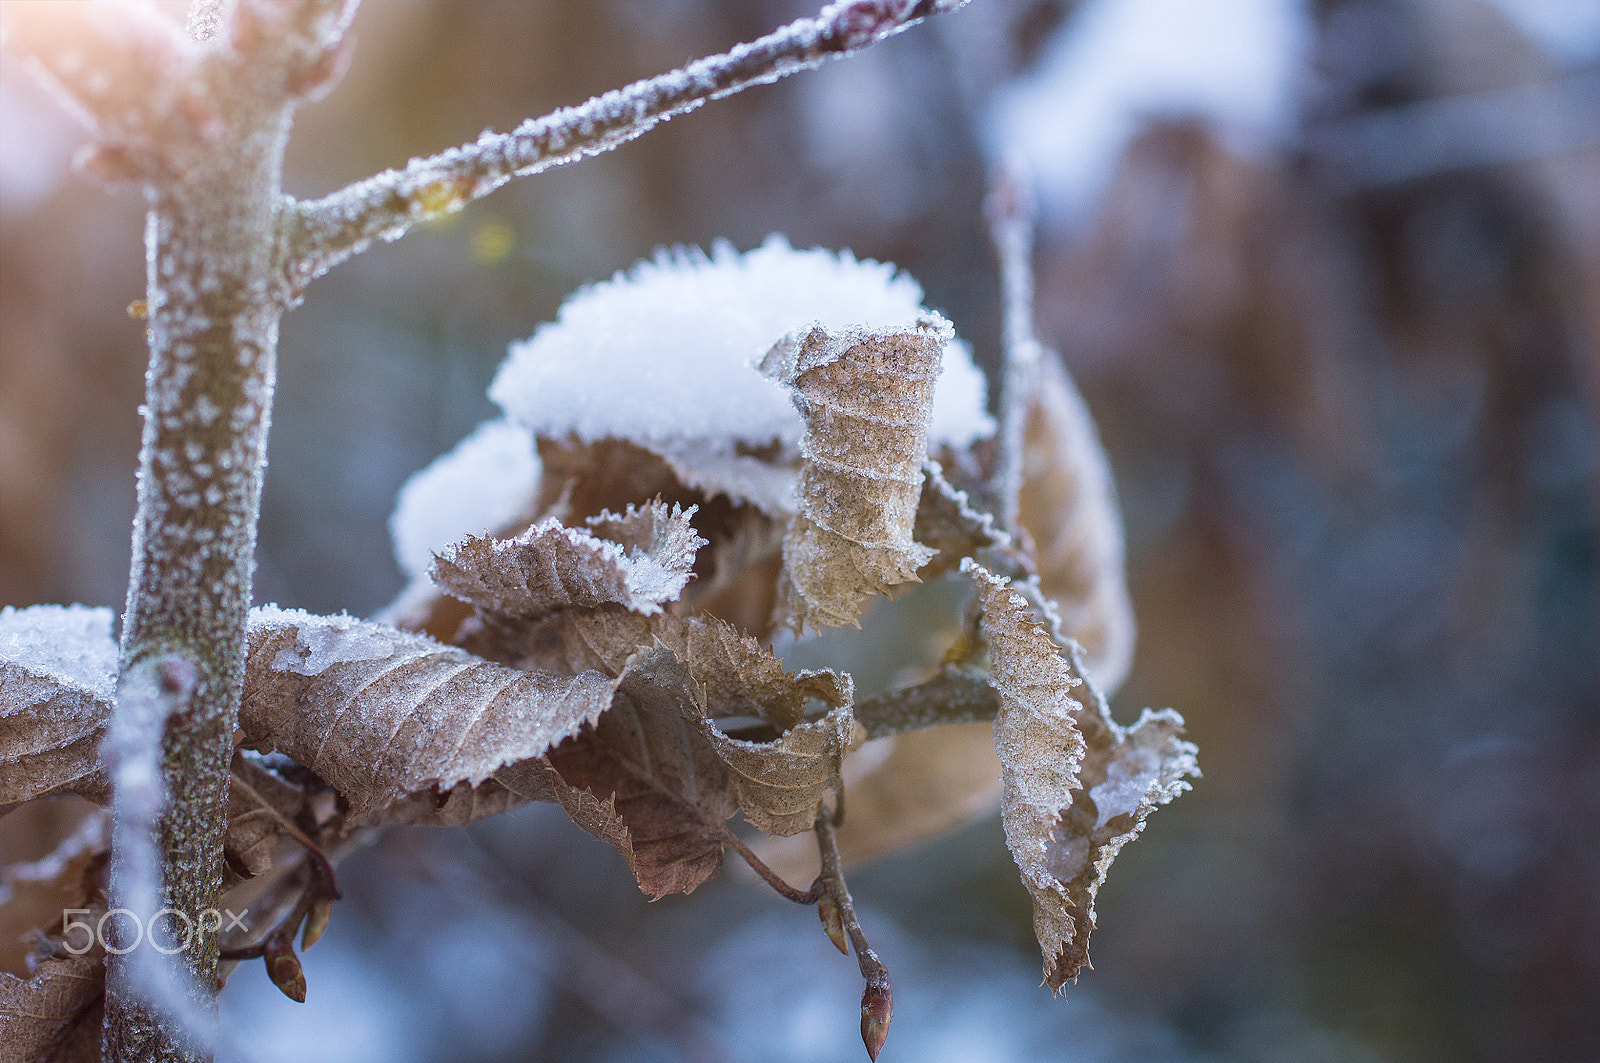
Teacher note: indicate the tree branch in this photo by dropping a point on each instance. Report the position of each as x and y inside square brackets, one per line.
[1010, 211]
[324, 232]
[214, 190]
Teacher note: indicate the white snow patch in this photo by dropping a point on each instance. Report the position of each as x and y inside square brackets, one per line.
[324, 641]
[485, 483]
[71, 644]
[1118, 63]
[664, 355]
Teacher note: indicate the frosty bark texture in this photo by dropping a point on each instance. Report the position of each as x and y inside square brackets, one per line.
[213, 329]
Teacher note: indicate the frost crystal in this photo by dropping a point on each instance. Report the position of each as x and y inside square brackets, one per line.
[69, 643]
[322, 641]
[478, 488]
[665, 354]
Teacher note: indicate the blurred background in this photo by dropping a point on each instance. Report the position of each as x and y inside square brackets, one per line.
[1328, 274]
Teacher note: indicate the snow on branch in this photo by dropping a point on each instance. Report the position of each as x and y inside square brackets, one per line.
[326, 231]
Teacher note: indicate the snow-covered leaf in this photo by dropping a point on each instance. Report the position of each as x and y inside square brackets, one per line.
[865, 396]
[663, 356]
[383, 714]
[481, 487]
[57, 677]
[1068, 504]
[639, 560]
[1077, 787]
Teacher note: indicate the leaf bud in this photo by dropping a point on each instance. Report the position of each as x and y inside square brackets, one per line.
[833, 922]
[316, 922]
[283, 967]
[877, 1008]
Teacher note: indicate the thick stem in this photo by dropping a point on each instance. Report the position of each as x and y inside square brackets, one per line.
[213, 344]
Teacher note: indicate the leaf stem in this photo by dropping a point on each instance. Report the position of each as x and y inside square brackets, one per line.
[771, 877]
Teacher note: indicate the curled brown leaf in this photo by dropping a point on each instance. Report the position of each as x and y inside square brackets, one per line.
[657, 791]
[866, 396]
[780, 761]
[639, 560]
[1077, 787]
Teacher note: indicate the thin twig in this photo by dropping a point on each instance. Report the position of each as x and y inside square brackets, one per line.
[1010, 212]
[877, 1002]
[771, 877]
[324, 232]
[956, 694]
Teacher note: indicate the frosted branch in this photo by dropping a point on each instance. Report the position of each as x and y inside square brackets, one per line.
[149, 694]
[326, 231]
[1011, 220]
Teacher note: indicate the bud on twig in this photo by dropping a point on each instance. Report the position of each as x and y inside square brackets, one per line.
[283, 967]
[877, 1008]
[833, 922]
[316, 922]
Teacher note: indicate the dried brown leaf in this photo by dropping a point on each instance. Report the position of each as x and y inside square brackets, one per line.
[949, 523]
[57, 671]
[55, 1014]
[260, 805]
[900, 790]
[780, 783]
[1068, 505]
[586, 479]
[1077, 787]
[779, 778]
[866, 396]
[384, 715]
[657, 789]
[640, 560]
[736, 578]
[737, 675]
